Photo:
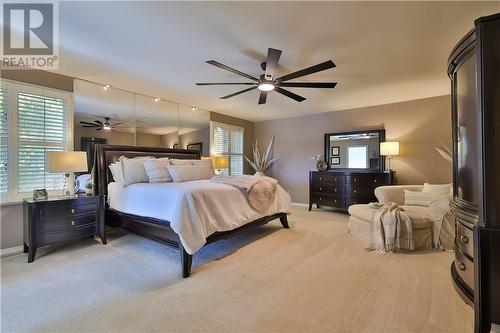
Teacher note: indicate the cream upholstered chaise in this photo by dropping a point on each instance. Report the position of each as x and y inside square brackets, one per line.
[430, 229]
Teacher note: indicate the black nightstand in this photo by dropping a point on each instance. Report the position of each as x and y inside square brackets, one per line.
[57, 220]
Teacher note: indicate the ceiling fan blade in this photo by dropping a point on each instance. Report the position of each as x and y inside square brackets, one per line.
[273, 57]
[307, 71]
[98, 129]
[309, 84]
[89, 126]
[262, 97]
[115, 124]
[98, 122]
[289, 94]
[223, 83]
[86, 123]
[239, 92]
[232, 70]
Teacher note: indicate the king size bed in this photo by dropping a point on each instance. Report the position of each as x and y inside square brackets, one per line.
[186, 215]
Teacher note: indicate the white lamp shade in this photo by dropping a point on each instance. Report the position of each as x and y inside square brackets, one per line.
[67, 161]
[389, 148]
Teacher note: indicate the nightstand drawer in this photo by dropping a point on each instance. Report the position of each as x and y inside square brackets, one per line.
[67, 222]
[67, 208]
[63, 236]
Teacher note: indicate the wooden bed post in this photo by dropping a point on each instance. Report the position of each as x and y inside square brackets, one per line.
[284, 221]
[186, 261]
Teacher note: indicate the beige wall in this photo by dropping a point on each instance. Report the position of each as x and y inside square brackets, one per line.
[148, 140]
[38, 77]
[419, 126]
[168, 140]
[11, 217]
[248, 128]
[202, 135]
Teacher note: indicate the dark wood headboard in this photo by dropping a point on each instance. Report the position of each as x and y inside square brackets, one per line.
[108, 154]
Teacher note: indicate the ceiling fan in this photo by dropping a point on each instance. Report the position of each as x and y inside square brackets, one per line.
[268, 81]
[99, 125]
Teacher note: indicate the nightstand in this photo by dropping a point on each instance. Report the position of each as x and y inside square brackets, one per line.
[62, 220]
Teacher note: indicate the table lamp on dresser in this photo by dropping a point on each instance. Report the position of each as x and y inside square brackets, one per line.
[389, 149]
[67, 162]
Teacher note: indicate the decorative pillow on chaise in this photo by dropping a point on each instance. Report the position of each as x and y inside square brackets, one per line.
[184, 173]
[413, 198]
[156, 169]
[437, 188]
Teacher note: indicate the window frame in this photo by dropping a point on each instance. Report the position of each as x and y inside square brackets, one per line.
[13, 88]
[229, 152]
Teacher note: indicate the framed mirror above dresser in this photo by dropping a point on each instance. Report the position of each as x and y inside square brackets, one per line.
[355, 169]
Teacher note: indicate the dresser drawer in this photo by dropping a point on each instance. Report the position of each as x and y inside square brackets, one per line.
[65, 222]
[464, 266]
[465, 239]
[67, 208]
[330, 201]
[365, 180]
[328, 178]
[359, 191]
[349, 201]
[329, 188]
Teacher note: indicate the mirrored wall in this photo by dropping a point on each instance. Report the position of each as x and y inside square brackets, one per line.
[110, 115]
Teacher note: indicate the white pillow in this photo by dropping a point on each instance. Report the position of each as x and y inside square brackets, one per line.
[413, 198]
[206, 162]
[437, 188]
[133, 170]
[157, 171]
[184, 173]
[116, 172]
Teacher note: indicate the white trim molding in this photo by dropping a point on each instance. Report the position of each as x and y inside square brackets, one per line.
[10, 251]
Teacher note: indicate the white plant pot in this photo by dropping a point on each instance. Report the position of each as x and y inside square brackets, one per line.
[259, 174]
[89, 191]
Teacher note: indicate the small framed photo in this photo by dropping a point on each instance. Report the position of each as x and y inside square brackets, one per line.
[335, 161]
[40, 194]
[335, 151]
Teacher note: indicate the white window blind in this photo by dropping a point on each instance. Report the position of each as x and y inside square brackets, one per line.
[4, 139]
[227, 140]
[33, 121]
[42, 127]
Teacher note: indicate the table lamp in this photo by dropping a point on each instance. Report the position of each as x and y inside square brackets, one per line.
[389, 149]
[220, 162]
[67, 162]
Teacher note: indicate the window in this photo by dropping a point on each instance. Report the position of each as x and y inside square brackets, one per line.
[356, 157]
[33, 121]
[227, 140]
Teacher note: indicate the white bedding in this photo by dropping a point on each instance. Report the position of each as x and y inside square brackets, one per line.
[195, 209]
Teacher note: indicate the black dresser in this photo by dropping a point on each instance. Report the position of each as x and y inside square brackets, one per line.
[57, 220]
[474, 70]
[341, 189]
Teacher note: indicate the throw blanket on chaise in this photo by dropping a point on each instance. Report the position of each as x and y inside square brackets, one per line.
[259, 191]
[391, 229]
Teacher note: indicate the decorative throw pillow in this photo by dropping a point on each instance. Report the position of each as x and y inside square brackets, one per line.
[206, 162]
[133, 170]
[116, 172]
[157, 171]
[184, 173]
[424, 199]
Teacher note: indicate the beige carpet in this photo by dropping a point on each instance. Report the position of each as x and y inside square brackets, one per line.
[311, 278]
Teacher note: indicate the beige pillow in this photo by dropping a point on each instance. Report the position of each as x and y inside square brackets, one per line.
[184, 173]
[133, 170]
[156, 169]
[207, 162]
[116, 172]
[437, 188]
[424, 199]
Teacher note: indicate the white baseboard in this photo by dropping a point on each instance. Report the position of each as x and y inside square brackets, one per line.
[301, 204]
[11, 251]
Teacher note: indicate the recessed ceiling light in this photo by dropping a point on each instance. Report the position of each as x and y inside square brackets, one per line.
[157, 99]
[266, 86]
[106, 87]
[194, 108]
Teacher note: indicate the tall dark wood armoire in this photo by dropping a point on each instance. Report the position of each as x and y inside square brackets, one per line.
[474, 69]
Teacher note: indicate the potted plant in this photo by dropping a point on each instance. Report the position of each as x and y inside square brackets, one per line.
[89, 188]
[261, 162]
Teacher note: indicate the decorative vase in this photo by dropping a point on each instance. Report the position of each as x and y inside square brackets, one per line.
[321, 165]
[259, 174]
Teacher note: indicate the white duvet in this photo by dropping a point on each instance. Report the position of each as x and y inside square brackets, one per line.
[195, 209]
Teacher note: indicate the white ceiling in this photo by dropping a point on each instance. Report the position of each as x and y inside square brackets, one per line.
[385, 52]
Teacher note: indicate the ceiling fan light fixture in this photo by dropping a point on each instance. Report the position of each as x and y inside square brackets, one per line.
[266, 86]
[106, 127]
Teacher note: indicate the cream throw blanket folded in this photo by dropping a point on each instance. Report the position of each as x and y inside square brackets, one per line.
[260, 191]
[391, 229]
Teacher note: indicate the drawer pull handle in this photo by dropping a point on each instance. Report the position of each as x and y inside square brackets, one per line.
[335, 178]
[464, 239]
[375, 180]
[335, 190]
[320, 178]
[354, 191]
[335, 200]
[72, 222]
[321, 189]
[355, 179]
[461, 266]
[72, 210]
[320, 199]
